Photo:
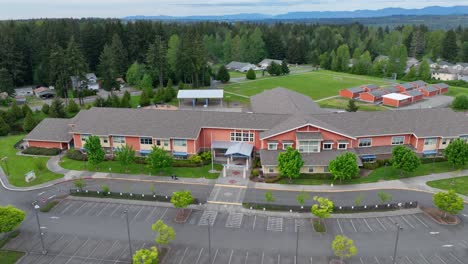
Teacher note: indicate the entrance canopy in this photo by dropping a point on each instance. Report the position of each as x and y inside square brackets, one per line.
[234, 149]
[201, 94]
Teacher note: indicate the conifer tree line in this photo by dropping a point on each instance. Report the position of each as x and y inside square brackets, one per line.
[48, 52]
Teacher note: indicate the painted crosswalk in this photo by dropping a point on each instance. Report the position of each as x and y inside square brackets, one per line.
[234, 220]
[208, 217]
[275, 224]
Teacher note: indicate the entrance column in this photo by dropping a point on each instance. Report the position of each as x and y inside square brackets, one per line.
[244, 172]
[224, 171]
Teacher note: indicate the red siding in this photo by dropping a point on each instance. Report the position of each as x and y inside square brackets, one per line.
[191, 146]
[384, 140]
[396, 103]
[134, 142]
[77, 141]
[207, 135]
[348, 94]
[428, 94]
[48, 144]
[368, 97]
[415, 98]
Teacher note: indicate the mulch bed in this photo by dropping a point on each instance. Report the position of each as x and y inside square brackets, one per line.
[438, 216]
[182, 215]
[319, 225]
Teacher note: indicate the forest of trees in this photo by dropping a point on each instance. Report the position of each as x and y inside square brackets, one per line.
[48, 52]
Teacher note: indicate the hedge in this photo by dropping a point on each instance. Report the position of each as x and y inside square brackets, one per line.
[124, 195]
[75, 154]
[41, 151]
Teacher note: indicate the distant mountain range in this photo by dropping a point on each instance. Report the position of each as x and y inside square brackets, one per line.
[316, 15]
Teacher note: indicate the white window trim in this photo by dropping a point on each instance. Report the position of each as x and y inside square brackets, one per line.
[426, 139]
[359, 143]
[250, 136]
[404, 138]
[318, 146]
[271, 144]
[331, 146]
[346, 146]
[286, 145]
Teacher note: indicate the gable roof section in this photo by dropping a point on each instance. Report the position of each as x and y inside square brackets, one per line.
[371, 86]
[407, 86]
[378, 93]
[356, 90]
[51, 129]
[441, 85]
[413, 93]
[238, 65]
[430, 88]
[392, 90]
[283, 101]
[419, 83]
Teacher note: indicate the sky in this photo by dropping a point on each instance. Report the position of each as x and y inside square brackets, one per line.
[23, 9]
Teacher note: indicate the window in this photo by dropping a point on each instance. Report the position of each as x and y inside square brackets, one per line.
[430, 141]
[342, 146]
[180, 143]
[272, 146]
[327, 146]
[84, 137]
[398, 140]
[158, 142]
[365, 142]
[311, 169]
[287, 145]
[242, 136]
[166, 143]
[118, 140]
[445, 141]
[325, 169]
[271, 170]
[464, 138]
[309, 146]
[146, 141]
[105, 140]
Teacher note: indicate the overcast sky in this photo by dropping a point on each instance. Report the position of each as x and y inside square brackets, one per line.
[14, 9]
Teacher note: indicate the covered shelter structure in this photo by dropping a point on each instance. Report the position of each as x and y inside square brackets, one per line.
[195, 95]
[237, 155]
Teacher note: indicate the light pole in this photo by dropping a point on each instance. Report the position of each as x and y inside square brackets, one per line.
[36, 208]
[209, 242]
[297, 243]
[4, 159]
[128, 232]
[396, 241]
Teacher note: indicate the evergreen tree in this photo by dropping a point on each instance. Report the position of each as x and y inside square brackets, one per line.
[424, 70]
[75, 61]
[107, 68]
[418, 43]
[352, 107]
[274, 69]
[284, 67]
[325, 62]
[125, 102]
[412, 75]
[4, 127]
[45, 109]
[449, 46]
[256, 47]
[135, 74]
[57, 109]
[342, 58]
[73, 107]
[146, 83]
[227, 48]
[16, 110]
[144, 99]
[6, 82]
[251, 75]
[156, 60]
[120, 58]
[172, 50]
[29, 123]
[100, 102]
[159, 96]
[25, 109]
[223, 74]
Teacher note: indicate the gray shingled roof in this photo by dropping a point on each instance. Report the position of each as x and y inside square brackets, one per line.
[378, 150]
[430, 88]
[378, 93]
[371, 86]
[323, 158]
[166, 124]
[356, 90]
[407, 86]
[419, 83]
[236, 65]
[309, 136]
[392, 90]
[413, 93]
[441, 85]
[283, 101]
[51, 129]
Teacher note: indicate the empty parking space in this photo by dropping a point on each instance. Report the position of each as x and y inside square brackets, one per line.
[143, 213]
[234, 220]
[208, 217]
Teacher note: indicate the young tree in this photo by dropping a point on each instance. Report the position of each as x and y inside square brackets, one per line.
[448, 202]
[424, 70]
[352, 107]
[100, 102]
[144, 99]
[384, 197]
[16, 110]
[4, 127]
[6, 82]
[269, 197]
[80, 184]
[146, 256]
[323, 208]
[284, 67]
[457, 153]
[182, 199]
[165, 233]
[290, 163]
[146, 82]
[135, 73]
[45, 109]
[343, 247]
[94, 150]
[125, 102]
[274, 69]
[412, 75]
[344, 167]
[159, 159]
[223, 74]
[57, 109]
[125, 155]
[251, 75]
[460, 102]
[302, 197]
[29, 123]
[10, 218]
[73, 107]
[405, 159]
[26, 109]
[172, 51]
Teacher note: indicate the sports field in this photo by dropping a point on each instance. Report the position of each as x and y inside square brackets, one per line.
[316, 84]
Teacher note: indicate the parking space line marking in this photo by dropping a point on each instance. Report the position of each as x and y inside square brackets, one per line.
[216, 254]
[199, 255]
[60, 253]
[102, 210]
[441, 259]
[88, 257]
[136, 215]
[372, 230]
[255, 219]
[362, 262]
[279, 258]
[183, 256]
[351, 220]
[76, 211]
[341, 229]
[409, 260]
[66, 208]
[163, 214]
[455, 257]
[381, 224]
[246, 257]
[149, 216]
[115, 242]
[376, 259]
[92, 207]
[310, 260]
[425, 260]
[263, 256]
[115, 210]
[230, 257]
[424, 224]
[407, 222]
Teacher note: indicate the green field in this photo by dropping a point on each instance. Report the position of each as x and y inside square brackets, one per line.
[115, 166]
[459, 184]
[454, 91]
[18, 166]
[341, 103]
[316, 84]
[9, 256]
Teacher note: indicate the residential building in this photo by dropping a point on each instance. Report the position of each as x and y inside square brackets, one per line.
[352, 93]
[266, 62]
[24, 91]
[444, 74]
[88, 81]
[235, 138]
[44, 93]
[241, 66]
[396, 99]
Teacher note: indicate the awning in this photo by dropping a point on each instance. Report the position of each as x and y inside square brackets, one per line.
[145, 151]
[368, 157]
[240, 149]
[180, 154]
[429, 152]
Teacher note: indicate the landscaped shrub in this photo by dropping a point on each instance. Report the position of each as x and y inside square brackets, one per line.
[140, 160]
[195, 159]
[272, 179]
[377, 164]
[75, 154]
[255, 173]
[206, 155]
[41, 151]
[431, 160]
[256, 162]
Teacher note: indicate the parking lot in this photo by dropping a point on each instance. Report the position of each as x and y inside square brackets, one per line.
[250, 222]
[69, 249]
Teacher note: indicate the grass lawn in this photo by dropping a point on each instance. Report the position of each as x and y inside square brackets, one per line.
[316, 84]
[341, 103]
[454, 91]
[182, 172]
[380, 174]
[10, 257]
[459, 184]
[20, 165]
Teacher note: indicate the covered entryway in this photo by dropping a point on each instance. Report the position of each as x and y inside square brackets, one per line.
[236, 155]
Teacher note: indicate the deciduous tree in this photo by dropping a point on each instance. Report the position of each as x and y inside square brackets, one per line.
[165, 233]
[405, 159]
[323, 208]
[10, 218]
[181, 199]
[344, 167]
[448, 202]
[125, 155]
[457, 153]
[146, 256]
[159, 159]
[94, 150]
[290, 163]
[343, 247]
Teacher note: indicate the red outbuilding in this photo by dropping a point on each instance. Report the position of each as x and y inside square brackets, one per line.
[352, 93]
[370, 87]
[443, 87]
[429, 90]
[396, 99]
[372, 96]
[403, 87]
[416, 95]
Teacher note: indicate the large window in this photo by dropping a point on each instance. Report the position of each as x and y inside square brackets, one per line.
[118, 140]
[287, 145]
[430, 141]
[342, 146]
[309, 146]
[365, 142]
[180, 143]
[327, 146]
[272, 146]
[464, 138]
[146, 141]
[242, 136]
[398, 140]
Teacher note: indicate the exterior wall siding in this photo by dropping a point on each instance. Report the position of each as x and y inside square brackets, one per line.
[368, 97]
[48, 144]
[134, 142]
[77, 141]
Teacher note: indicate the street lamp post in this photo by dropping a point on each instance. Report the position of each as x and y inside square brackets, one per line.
[209, 242]
[396, 242]
[36, 208]
[297, 243]
[128, 233]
